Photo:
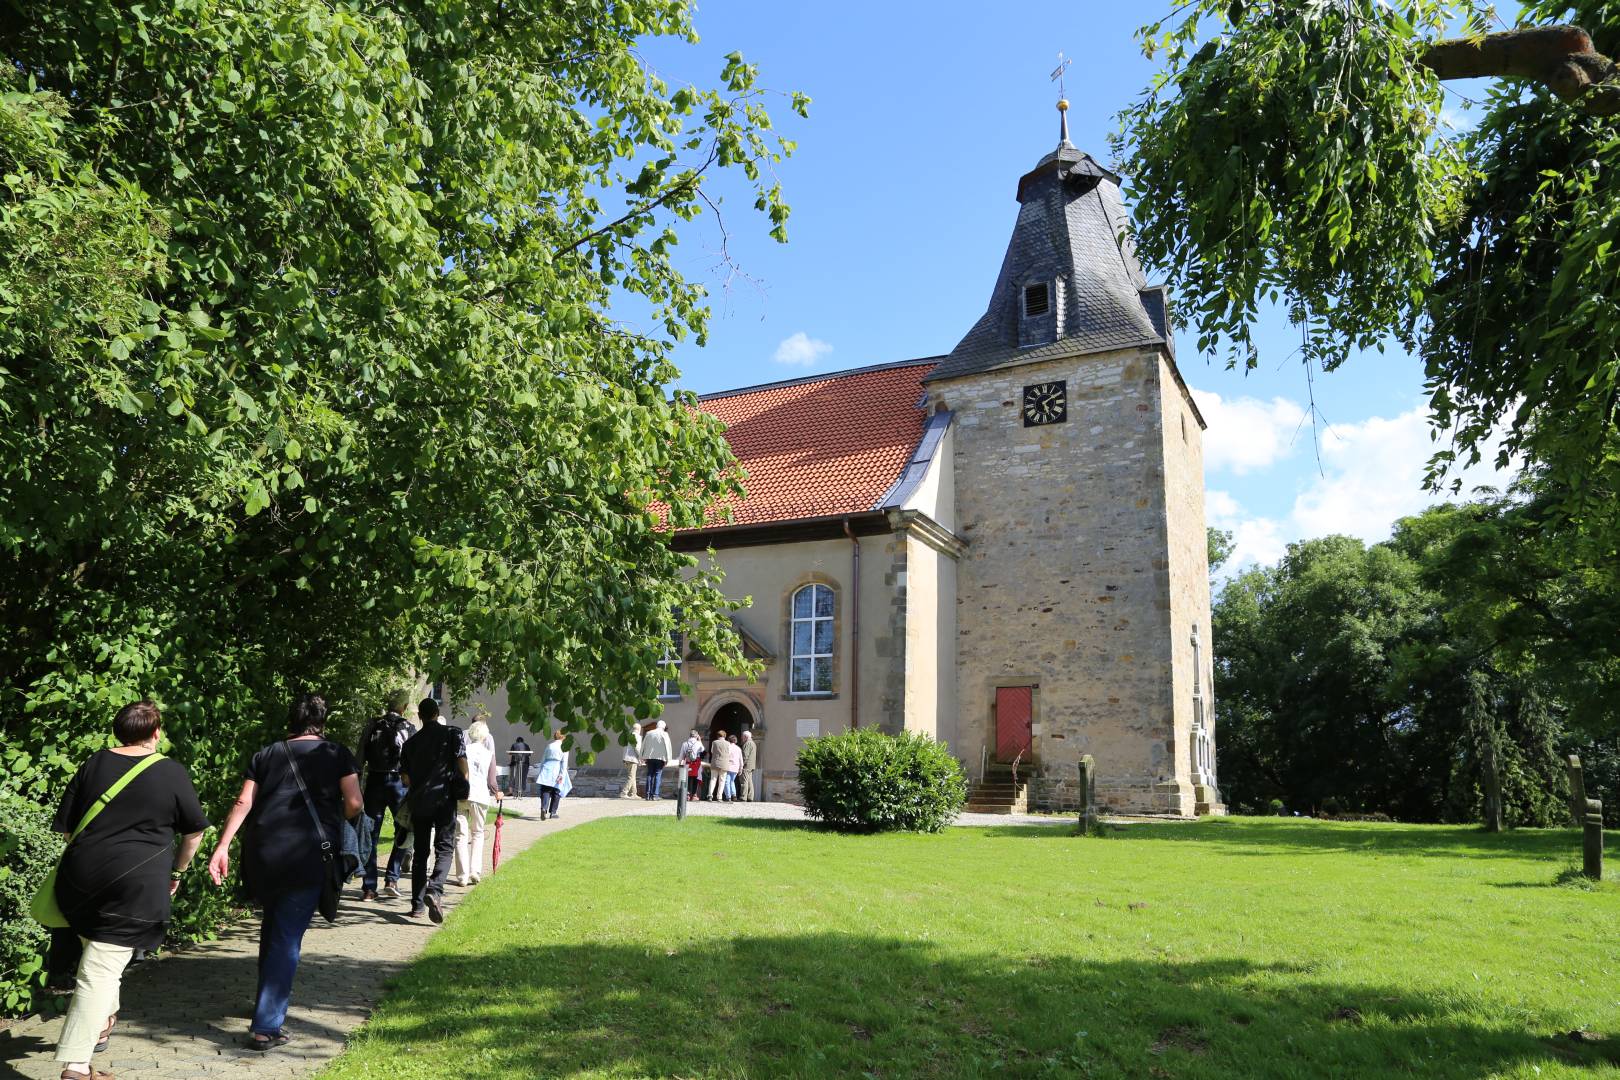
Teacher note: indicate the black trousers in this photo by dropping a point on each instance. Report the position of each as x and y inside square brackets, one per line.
[435, 831]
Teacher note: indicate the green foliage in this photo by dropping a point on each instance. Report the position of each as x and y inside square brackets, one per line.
[866, 781]
[1290, 151]
[309, 369]
[1294, 152]
[1387, 678]
[1219, 542]
[28, 849]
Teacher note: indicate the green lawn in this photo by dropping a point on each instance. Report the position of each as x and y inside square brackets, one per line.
[647, 947]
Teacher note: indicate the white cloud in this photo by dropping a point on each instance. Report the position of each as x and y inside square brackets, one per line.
[801, 349]
[1246, 433]
[1372, 475]
[1254, 539]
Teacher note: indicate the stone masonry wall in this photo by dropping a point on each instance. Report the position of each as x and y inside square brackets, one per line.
[1066, 581]
[1188, 551]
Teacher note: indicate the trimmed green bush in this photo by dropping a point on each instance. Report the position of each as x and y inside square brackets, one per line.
[866, 781]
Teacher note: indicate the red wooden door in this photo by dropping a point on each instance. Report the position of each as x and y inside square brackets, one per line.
[1014, 706]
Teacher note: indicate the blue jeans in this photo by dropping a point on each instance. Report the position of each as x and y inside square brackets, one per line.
[549, 798]
[655, 778]
[281, 937]
[383, 793]
[728, 786]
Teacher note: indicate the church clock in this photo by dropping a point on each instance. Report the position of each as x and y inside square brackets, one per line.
[1046, 403]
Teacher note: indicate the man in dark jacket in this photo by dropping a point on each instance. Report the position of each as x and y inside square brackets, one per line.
[518, 760]
[434, 768]
[379, 753]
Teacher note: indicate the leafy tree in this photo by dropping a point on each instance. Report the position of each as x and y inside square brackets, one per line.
[1303, 654]
[1294, 152]
[308, 368]
[1415, 677]
[1220, 547]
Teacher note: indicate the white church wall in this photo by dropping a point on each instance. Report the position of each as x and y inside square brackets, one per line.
[936, 495]
[930, 669]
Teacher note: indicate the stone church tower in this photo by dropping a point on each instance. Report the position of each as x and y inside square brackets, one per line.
[1001, 548]
[1083, 611]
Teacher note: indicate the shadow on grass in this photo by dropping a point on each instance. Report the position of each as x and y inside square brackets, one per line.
[833, 1005]
[1267, 836]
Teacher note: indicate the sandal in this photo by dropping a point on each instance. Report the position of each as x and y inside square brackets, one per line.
[106, 1034]
[93, 1074]
[261, 1043]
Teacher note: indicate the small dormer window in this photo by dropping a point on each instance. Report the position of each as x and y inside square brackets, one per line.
[1037, 299]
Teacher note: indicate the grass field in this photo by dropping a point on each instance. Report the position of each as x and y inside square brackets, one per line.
[643, 947]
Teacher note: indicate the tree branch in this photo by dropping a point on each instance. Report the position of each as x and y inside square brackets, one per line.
[1560, 57]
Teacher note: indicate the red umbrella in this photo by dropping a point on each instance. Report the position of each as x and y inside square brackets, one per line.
[495, 855]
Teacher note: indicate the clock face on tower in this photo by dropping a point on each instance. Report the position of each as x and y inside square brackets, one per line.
[1046, 403]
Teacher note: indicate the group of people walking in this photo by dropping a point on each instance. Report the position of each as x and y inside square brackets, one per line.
[724, 769]
[306, 821]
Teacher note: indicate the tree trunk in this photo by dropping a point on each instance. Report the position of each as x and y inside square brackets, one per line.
[1560, 57]
[1492, 780]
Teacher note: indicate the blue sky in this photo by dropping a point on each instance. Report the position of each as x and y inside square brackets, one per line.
[924, 117]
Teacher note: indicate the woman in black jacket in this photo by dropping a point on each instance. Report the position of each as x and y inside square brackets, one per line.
[119, 870]
[282, 863]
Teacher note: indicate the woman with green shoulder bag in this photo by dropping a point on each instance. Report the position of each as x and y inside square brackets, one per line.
[121, 813]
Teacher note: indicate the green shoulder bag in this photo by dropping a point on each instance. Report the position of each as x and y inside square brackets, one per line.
[44, 909]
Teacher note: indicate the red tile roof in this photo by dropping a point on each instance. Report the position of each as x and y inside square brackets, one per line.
[824, 445]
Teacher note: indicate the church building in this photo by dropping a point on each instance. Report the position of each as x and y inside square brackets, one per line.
[1003, 547]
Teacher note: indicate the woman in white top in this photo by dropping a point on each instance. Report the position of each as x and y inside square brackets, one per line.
[471, 812]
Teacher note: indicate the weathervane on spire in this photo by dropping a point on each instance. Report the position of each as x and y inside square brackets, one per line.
[1063, 99]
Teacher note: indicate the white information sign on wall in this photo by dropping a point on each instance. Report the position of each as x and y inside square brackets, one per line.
[809, 729]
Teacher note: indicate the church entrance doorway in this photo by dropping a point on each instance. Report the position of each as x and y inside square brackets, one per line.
[1015, 710]
[733, 718]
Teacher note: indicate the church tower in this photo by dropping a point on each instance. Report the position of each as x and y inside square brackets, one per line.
[1082, 621]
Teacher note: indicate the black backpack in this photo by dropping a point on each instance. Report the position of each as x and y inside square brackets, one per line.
[383, 744]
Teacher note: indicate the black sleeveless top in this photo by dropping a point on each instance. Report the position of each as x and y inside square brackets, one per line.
[113, 884]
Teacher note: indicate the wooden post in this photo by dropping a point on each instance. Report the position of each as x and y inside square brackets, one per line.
[1588, 814]
[1577, 788]
[1592, 846]
[1088, 790]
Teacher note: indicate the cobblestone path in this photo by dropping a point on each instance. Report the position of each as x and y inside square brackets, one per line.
[186, 1015]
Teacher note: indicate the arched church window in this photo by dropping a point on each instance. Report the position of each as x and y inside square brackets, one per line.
[812, 654]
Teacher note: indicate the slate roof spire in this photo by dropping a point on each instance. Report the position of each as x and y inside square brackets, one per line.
[1069, 283]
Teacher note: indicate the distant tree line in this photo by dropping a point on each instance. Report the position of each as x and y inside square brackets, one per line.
[1441, 675]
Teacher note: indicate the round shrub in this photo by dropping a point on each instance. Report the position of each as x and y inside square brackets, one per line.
[866, 781]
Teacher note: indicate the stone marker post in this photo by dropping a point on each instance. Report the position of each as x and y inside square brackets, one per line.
[1088, 789]
[680, 794]
[1588, 814]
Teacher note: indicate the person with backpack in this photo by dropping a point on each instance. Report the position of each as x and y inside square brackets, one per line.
[380, 748]
[433, 765]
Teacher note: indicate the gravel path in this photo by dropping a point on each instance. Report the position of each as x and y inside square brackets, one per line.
[186, 1015]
